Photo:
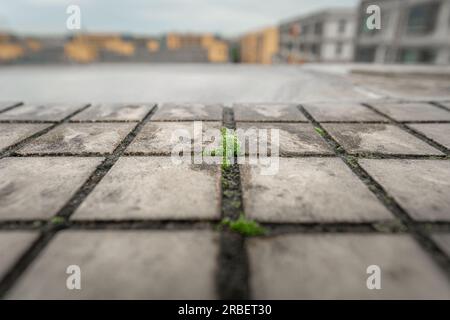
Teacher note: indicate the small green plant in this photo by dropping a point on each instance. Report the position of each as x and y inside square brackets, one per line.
[243, 226]
[229, 147]
[319, 131]
[57, 220]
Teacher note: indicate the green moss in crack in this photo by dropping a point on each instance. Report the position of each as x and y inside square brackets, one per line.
[57, 220]
[320, 131]
[352, 161]
[243, 226]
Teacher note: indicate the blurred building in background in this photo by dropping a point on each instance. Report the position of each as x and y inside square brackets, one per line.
[324, 36]
[216, 49]
[412, 31]
[259, 46]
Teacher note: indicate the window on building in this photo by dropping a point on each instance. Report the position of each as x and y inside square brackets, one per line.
[318, 28]
[305, 29]
[342, 24]
[422, 18]
[315, 49]
[416, 56]
[301, 47]
[365, 54]
[339, 48]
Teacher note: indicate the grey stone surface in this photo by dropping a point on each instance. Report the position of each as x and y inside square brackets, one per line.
[333, 266]
[443, 241]
[413, 111]
[154, 188]
[188, 111]
[114, 111]
[309, 190]
[11, 133]
[79, 138]
[377, 138]
[267, 112]
[294, 138]
[338, 111]
[36, 188]
[439, 132]
[6, 104]
[41, 112]
[421, 187]
[12, 245]
[125, 265]
[163, 137]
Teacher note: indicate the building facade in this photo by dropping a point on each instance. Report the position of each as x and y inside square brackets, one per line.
[412, 31]
[259, 46]
[216, 49]
[324, 36]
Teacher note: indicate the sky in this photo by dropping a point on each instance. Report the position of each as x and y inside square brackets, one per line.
[152, 17]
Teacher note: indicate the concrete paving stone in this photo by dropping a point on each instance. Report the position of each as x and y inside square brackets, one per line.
[377, 138]
[154, 188]
[80, 137]
[7, 104]
[188, 111]
[114, 111]
[39, 112]
[443, 241]
[36, 188]
[340, 111]
[309, 190]
[334, 266]
[439, 132]
[421, 187]
[267, 112]
[294, 138]
[11, 133]
[163, 137]
[125, 265]
[12, 245]
[413, 111]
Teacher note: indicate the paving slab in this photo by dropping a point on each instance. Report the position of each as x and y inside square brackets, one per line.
[309, 190]
[267, 112]
[12, 245]
[413, 111]
[421, 187]
[340, 111]
[154, 188]
[125, 265]
[188, 112]
[7, 104]
[378, 138]
[36, 188]
[443, 241]
[79, 138]
[39, 112]
[12, 133]
[334, 266]
[164, 137]
[294, 138]
[114, 112]
[439, 132]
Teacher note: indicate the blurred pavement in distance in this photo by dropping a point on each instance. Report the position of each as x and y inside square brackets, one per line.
[217, 83]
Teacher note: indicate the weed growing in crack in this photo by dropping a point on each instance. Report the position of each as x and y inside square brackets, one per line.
[319, 131]
[243, 226]
[57, 220]
[229, 148]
